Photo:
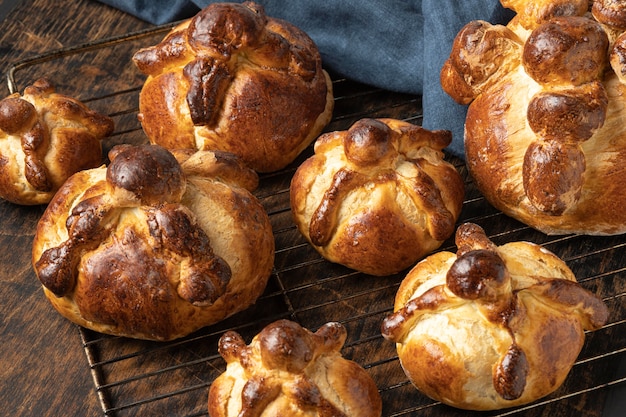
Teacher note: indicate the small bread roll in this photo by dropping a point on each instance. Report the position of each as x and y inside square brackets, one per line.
[152, 246]
[377, 197]
[234, 79]
[288, 370]
[491, 326]
[45, 137]
[544, 133]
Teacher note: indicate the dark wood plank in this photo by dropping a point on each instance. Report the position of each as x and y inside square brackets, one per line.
[43, 369]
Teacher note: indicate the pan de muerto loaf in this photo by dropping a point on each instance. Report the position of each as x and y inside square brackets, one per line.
[545, 139]
[378, 196]
[153, 246]
[288, 370]
[45, 137]
[490, 326]
[234, 79]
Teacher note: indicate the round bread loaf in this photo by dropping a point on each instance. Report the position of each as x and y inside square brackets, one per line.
[45, 137]
[491, 326]
[153, 246]
[288, 370]
[544, 134]
[233, 79]
[378, 196]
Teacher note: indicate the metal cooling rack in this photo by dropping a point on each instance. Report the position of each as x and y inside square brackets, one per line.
[134, 377]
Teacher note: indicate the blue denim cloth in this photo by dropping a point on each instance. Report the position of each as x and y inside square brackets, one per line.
[399, 45]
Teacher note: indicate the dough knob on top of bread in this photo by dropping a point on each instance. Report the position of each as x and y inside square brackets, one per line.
[234, 79]
[156, 245]
[570, 114]
[566, 50]
[151, 173]
[378, 196]
[289, 370]
[491, 326]
[45, 137]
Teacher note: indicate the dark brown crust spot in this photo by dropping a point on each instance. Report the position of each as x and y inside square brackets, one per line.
[480, 50]
[16, 114]
[34, 142]
[367, 142]
[331, 337]
[568, 115]
[207, 275]
[257, 394]
[470, 236]
[123, 286]
[533, 13]
[148, 171]
[56, 268]
[553, 175]
[224, 28]
[208, 80]
[477, 274]
[286, 345]
[509, 378]
[232, 347]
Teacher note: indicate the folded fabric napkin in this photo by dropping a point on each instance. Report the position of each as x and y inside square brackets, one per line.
[398, 45]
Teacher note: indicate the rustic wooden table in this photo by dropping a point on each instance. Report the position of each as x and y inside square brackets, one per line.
[43, 368]
[49, 367]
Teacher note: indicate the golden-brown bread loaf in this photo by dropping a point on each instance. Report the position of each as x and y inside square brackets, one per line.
[234, 79]
[378, 196]
[155, 246]
[45, 137]
[288, 370]
[544, 135]
[490, 326]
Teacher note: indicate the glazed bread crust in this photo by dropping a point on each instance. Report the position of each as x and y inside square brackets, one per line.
[544, 137]
[233, 79]
[378, 196]
[153, 246]
[287, 370]
[45, 137]
[490, 327]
